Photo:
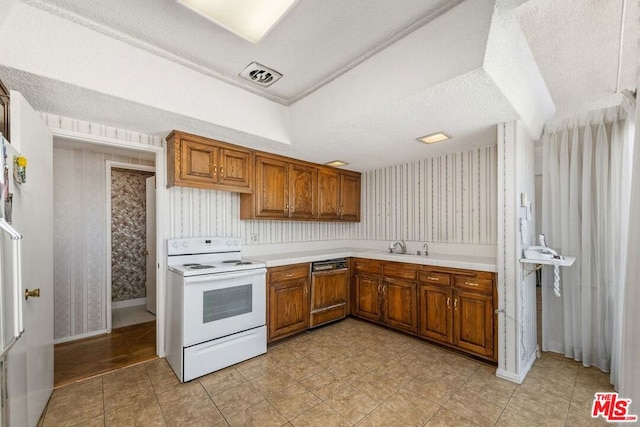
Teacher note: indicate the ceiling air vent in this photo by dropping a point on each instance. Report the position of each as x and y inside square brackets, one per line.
[260, 75]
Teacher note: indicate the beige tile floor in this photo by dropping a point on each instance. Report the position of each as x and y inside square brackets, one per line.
[349, 373]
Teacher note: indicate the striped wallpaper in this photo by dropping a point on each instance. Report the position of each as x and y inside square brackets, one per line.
[446, 199]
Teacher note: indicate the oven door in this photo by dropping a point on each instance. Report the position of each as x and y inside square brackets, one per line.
[217, 305]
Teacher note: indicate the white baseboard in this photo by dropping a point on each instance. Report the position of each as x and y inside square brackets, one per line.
[79, 336]
[519, 377]
[128, 303]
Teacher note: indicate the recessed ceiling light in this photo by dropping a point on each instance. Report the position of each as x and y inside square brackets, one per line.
[249, 19]
[434, 137]
[336, 163]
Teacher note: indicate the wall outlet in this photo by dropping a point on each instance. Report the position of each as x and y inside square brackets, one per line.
[254, 238]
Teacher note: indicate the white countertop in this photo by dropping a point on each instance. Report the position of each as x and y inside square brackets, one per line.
[441, 260]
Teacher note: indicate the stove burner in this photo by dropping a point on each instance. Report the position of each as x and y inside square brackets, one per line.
[237, 262]
[198, 266]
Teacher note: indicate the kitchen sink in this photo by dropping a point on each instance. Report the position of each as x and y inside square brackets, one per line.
[406, 253]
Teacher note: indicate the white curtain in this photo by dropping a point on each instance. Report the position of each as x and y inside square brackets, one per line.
[586, 177]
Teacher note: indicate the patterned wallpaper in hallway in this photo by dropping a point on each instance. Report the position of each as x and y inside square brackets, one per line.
[128, 234]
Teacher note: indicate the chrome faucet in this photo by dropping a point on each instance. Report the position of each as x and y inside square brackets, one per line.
[401, 245]
[426, 249]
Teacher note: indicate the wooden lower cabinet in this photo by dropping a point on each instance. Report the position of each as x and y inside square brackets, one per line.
[399, 304]
[288, 300]
[368, 289]
[473, 320]
[436, 317]
[388, 300]
[457, 309]
[450, 306]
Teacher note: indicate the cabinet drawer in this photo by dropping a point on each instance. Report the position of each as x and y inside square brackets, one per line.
[288, 272]
[474, 283]
[432, 278]
[400, 270]
[367, 266]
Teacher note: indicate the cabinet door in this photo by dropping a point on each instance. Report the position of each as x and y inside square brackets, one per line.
[271, 188]
[198, 162]
[328, 194]
[436, 313]
[400, 299]
[473, 322]
[350, 197]
[328, 296]
[288, 308]
[303, 181]
[235, 168]
[367, 297]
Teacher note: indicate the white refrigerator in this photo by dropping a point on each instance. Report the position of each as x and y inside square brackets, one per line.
[26, 268]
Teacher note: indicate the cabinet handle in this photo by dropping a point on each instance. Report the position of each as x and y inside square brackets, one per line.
[448, 302]
[379, 288]
[215, 169]
[289, 275]
[455, 303]
[435, 279]
[222, 170]
[286, 208]
[306, 290]
[471, 283]
[384, 289]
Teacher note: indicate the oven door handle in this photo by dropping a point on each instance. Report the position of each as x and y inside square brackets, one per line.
[223, 276]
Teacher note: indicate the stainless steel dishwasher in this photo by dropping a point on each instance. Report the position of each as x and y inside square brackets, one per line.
[329, 290]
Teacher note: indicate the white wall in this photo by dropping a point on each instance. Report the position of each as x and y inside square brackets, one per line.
[517, 329]
[80, 261]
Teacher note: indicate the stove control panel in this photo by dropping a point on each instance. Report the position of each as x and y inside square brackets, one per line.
[203, 245]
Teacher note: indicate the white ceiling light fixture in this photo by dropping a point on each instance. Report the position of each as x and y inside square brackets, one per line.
[336, 163]
[249, 19]
[434, 137]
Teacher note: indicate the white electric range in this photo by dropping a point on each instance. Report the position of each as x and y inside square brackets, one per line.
[216, 306]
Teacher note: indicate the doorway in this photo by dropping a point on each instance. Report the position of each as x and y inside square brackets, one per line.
[82, 270]
[131, 205]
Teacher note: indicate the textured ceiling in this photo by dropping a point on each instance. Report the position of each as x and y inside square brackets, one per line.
[314, 43]
[367, 80]
[576, 46]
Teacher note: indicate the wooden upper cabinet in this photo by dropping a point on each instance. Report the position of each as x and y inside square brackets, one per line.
[272, 188]
[198, 162]
[283, 190]
[328, 194]
[338, 195]
[303, 184]
[195, 161]
[350, 196]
